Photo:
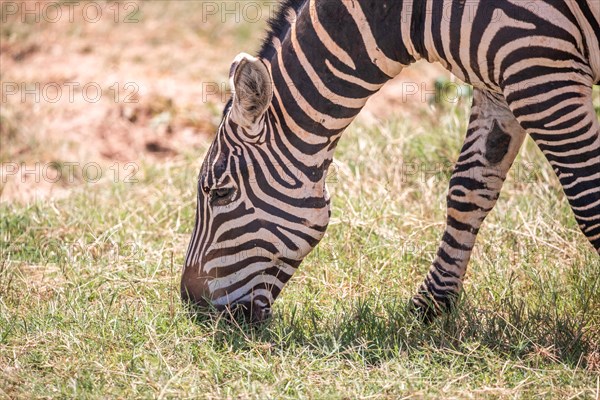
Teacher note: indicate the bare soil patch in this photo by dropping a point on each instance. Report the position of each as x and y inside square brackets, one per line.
[80, 92]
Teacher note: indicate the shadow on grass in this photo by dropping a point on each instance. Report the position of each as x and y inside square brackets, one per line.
[375, 332]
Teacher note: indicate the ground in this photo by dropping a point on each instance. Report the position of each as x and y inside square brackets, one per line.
[97, 205]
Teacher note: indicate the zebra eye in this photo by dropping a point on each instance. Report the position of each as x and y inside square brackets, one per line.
[221, 196]
[222, 192]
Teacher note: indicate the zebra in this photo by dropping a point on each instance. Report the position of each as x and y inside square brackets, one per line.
[262, 202]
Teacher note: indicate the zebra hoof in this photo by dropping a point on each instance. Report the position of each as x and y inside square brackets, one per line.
[424, 309]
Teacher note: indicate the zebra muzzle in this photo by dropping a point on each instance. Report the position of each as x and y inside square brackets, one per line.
[195, 292]
[194, 288]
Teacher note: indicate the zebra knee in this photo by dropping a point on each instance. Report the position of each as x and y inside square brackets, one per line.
[497, 144]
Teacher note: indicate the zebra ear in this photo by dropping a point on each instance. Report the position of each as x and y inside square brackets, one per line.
[251, 83]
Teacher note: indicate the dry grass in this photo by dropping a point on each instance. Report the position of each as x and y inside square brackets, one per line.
[89, 279]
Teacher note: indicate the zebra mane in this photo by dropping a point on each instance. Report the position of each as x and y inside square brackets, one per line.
[278, 26]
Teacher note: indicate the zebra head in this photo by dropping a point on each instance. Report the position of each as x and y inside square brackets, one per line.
[261, 207]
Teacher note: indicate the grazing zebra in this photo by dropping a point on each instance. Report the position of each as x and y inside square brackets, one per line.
[262, 201]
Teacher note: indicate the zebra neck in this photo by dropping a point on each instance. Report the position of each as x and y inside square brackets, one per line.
[332, 57]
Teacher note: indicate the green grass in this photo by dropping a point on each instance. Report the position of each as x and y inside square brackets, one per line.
[89, 304]
[89, 301]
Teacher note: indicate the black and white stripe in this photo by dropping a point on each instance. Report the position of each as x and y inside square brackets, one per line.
[262, 201]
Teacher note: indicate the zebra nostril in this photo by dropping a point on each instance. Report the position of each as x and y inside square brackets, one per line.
[257, 312]
[266, 313]
[260, 314]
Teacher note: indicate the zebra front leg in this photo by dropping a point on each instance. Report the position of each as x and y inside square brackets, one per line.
[493, 140]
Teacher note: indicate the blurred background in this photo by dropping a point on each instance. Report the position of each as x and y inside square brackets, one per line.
[88, 84]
